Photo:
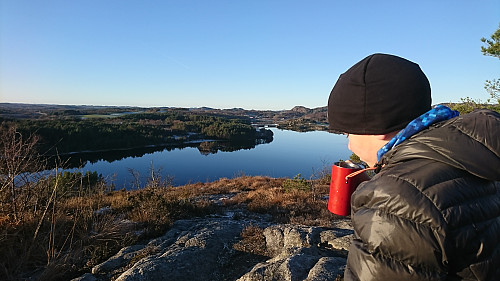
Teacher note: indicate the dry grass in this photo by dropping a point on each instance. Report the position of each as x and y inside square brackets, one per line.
[296, 206]
[80, 231]
[252, 241]
[55, 227]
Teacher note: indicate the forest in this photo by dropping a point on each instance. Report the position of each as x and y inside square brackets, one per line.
[70, 131]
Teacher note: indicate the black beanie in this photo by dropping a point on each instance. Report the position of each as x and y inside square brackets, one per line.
[378, 95]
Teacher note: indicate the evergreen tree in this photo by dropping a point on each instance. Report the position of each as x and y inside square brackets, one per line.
[492, 48]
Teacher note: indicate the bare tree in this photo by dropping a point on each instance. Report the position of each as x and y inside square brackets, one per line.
[19, 162]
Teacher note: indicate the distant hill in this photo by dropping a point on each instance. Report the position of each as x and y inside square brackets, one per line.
[283, 118]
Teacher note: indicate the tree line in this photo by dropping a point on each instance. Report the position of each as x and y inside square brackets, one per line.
[74, 134]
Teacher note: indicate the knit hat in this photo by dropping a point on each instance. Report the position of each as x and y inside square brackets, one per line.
[378, 95]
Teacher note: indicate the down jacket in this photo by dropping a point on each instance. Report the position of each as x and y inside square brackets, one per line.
[433, 211]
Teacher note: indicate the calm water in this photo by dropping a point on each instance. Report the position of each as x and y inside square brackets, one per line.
[289, 154]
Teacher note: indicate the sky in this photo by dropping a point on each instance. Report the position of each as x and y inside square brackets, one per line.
[251, 54]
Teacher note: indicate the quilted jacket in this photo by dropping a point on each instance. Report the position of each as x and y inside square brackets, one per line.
[433, 211]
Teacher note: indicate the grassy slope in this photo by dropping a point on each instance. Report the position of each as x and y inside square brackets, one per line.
[78, 232]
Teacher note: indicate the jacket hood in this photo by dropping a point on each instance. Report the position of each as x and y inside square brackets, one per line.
[470, 142]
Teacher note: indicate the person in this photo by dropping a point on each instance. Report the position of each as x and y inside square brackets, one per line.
[432, 210]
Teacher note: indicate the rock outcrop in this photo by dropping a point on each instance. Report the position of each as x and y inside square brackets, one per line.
[203, 249]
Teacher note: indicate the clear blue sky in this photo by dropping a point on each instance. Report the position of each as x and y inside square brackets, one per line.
[254, 54]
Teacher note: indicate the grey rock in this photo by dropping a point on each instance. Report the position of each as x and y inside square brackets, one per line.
[202, 249]
[85, 277]
[339, 239]
[191, 250]
[302, 253]
[295, 267]
[327, 268]
[286, 239]
[119, 260]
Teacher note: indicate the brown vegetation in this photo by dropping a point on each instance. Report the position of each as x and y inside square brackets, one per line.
[58, 226]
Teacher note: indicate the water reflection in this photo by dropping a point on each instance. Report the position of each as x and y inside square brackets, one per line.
[76, 160]
[287, 155]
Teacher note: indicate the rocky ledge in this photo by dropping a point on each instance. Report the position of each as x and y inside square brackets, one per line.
[210, 249]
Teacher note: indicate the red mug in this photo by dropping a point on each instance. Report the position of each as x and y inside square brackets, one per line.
[342, 187]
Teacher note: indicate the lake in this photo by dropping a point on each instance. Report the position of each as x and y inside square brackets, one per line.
[289, 154]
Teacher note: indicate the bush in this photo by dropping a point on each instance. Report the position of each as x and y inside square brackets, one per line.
[252, 241]
[297, 183]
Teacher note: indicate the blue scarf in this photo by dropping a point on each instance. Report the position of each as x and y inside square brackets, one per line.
[436, 114]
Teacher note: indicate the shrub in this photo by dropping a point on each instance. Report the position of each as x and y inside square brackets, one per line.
[252, 241]
[297, 183]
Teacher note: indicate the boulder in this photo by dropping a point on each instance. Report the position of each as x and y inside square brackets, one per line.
[302, 253]
[202, 249]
